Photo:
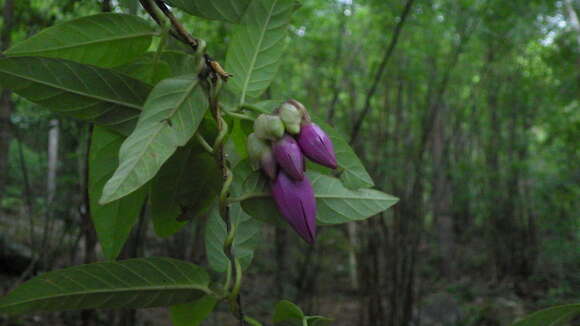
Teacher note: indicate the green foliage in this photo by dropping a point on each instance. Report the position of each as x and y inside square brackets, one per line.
[114, 221]
[553, 316]
[76, 90]
[193, 313]
[105, 40]
[133, 283]
[227, 10]
[257, 46]
[170, 117]
[187, 184]
[246, 240]
[152, 67]
[288, 314]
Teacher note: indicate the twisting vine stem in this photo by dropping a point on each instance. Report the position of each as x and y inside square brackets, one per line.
[234, 268]
[214, 74]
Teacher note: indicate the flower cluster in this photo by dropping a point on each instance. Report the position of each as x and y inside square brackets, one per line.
[278, 146]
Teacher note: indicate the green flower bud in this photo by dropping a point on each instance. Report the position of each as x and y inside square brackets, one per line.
[256, 147]
[291, 116]
[269, 127]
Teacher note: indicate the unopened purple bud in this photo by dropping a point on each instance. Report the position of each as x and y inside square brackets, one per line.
[268, 164]
[289, 156]
[296, 202]
[316, 145]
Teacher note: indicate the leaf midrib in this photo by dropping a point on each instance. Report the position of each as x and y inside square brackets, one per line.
[108, 100]
[255, 56]
[116, 290]
[164, 125]
[72, 46]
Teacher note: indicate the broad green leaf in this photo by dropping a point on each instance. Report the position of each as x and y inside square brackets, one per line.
[335, 203]
[133, 283]
[170, 117]
[105, 40]
[152, 70]
[553, 316]
[318, 321]
[350, 169]
[251, 321]
[188, 183]
[246, 241]
[287, 313]
[76, 90]
[114, 221]
[254, 53]
[193, 313]
[227, 10]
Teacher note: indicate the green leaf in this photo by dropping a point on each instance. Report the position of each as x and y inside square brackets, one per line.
[133, 283]
[552, 316]
[193, 313]
[335, 203]
[257, 46]
[169, 64]
[245, 243]
[226, 10]
[188, 183]
[114, 221]
[318, 321]
[105, 40]
[251, 321]
[351, 170]
[76, 90]
[286, 312]
[170, 117]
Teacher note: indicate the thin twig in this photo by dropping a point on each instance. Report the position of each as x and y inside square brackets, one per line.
[388, 53]
[185, 36]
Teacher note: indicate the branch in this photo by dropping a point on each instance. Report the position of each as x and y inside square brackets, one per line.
[152, 7]
[388, 53]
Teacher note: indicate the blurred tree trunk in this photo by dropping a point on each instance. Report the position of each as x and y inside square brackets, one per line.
[441, 196]
[6, 104]
[106, 6]
[53, 142]
[88, 317]
[335, 81]
[573, 18]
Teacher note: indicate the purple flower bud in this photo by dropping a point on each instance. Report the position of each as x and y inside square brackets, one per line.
[268, 164]
[296, 202]
[289, 156]
[316, 145]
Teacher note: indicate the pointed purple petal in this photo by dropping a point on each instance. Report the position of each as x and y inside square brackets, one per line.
[296, 202]
[288, 154]
[316, 145]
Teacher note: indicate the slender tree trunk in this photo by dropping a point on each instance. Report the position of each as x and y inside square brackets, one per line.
[106, 6]
[88, 317]
[441, 197]
[53, 142]
[335, 82]
[6, 104]
[389, 50]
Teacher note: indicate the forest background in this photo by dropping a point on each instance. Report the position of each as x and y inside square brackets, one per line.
[467, 110]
